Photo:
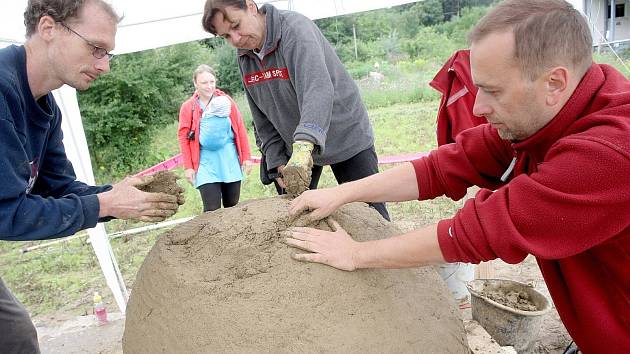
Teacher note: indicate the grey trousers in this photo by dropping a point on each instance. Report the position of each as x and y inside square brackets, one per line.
[17, 333]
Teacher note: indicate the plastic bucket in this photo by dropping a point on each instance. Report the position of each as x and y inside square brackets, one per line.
[507, 325]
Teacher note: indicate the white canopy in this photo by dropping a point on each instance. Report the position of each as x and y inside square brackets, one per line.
[151, 24]
[148, 24]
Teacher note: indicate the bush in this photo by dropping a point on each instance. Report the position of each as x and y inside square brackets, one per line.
[415, 65]
[457, 28]
[346, 54]
[429, 45]
[224, 62]
[142, 93]
[359, 70]
[422, 13]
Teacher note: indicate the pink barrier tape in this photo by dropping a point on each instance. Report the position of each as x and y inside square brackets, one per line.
[401, 158]
[176, 161]
[169, 164]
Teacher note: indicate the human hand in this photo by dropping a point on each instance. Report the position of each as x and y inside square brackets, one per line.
[247, 166]
[320, 202]
[297, 173]
[126, 201]
[190, 175]
[336, 249]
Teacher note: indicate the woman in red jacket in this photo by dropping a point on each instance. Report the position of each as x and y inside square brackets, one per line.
[213, 142]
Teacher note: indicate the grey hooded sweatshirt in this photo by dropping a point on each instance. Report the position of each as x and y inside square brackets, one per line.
[300, 90]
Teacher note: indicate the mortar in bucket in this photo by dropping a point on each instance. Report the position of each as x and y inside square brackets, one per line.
[511, 312]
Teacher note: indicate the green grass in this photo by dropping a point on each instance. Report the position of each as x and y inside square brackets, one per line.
[610, 59]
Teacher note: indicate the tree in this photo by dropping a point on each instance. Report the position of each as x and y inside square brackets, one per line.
[224, 62]
[454, 7]
[422, 13]
[142, 93]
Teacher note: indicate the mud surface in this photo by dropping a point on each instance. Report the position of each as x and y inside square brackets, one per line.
[225, 282]
[515, 299]
[162, 182]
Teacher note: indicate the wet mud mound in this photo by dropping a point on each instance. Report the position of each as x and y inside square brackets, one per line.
[225, 283]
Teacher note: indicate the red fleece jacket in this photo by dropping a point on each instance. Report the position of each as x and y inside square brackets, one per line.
[190, 116]
[454, 82]
[567, 202]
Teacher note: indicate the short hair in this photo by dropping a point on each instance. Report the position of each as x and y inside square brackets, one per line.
[547, 33]
[60, 11]
[213, 7]
[203, 68]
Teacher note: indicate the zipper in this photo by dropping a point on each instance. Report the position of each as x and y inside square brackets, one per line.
[508, 172]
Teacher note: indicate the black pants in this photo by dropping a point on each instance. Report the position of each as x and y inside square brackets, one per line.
[358, 166]
[17, 333]
[213, 193]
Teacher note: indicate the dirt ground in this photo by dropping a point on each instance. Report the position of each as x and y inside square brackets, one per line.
[62, 334]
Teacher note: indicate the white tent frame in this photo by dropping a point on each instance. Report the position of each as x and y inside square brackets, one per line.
[168, 23]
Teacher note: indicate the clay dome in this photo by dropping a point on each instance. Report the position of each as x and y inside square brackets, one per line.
[226, 283]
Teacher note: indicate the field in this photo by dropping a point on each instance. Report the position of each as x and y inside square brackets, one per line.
[62, 277]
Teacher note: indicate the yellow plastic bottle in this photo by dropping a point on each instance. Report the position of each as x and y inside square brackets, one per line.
[99, 309]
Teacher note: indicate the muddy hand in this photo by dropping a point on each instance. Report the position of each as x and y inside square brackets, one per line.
[296, 179]
[336, 249]
[181, 199]
[179, 193]
[296, 175]
[140, 182]
[125, 201]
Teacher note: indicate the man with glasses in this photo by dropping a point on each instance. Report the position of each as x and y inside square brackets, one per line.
[97, 52]
[68, 42]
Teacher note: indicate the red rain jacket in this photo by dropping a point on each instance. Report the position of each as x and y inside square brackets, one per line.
[455, 84]
[190, 115]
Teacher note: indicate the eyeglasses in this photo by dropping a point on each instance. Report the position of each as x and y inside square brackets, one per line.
[97, 52]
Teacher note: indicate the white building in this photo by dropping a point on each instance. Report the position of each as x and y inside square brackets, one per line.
[600, 13]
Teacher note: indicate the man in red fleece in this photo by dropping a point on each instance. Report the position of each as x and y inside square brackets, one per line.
[556, 153]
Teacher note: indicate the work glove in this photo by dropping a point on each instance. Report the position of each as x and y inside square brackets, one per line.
[296, 175]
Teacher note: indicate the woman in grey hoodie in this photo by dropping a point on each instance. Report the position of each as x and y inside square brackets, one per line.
[306, 108]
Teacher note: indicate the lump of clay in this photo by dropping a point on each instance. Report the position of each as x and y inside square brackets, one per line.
[162, 182]
[226, 283]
